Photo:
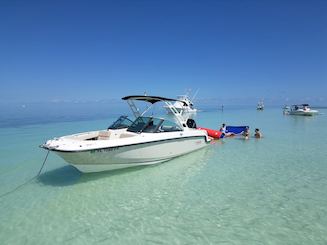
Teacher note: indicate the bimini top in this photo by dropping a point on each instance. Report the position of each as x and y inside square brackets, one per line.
[151, 99]
[303, 104]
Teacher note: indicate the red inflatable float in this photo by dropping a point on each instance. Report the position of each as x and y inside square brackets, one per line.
[212, 133]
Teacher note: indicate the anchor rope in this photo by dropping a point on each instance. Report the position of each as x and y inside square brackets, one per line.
[28, 181]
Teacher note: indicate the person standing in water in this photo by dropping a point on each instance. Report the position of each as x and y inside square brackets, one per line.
[246, 133]
[223, 131]
[223, 128]
[257, 133]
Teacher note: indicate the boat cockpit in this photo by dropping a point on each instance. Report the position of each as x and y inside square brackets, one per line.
[153, 125]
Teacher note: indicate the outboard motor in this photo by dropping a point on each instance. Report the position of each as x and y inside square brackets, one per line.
[190, 123]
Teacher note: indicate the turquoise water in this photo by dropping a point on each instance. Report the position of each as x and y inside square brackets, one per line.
[260, 191]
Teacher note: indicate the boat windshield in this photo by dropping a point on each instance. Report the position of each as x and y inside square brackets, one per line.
[152, 125]
[169, 126]
[145, 124]
[121, 122]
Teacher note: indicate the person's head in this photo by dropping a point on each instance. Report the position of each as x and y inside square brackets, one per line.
[223, 125]
[257, 130]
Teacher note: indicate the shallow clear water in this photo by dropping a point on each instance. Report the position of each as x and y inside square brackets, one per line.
[267, 191]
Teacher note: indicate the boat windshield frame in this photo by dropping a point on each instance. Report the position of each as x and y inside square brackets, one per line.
[142, 123]
[154, 99]
[120, 123]
[153, 125]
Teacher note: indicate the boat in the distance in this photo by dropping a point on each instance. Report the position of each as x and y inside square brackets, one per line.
[184, 105]
[147, 140]
[299, 110]
[260, 105]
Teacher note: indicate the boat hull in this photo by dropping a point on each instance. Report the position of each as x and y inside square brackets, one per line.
[183, 110]
[145, 153]
[304, 113]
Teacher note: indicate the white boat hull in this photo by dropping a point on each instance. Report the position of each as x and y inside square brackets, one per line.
[147, 153]
[304, 113]
[183, 110]
[300, 110]
[147, 140]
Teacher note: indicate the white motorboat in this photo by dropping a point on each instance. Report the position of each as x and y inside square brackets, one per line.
[148, 140]
[300, 110]
[260, 105]
[183, 105]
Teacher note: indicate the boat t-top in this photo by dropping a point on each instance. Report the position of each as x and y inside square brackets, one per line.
[144, 141]
[300, 110]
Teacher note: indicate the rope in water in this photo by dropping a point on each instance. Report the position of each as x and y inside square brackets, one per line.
[28, 181]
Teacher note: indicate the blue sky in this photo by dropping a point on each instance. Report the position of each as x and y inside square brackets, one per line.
[233, 51]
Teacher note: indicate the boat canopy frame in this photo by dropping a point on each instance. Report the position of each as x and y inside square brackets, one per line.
[154, 99]
[150, 99]
[299, 106]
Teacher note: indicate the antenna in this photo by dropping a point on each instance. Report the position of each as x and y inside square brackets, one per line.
[195, 94]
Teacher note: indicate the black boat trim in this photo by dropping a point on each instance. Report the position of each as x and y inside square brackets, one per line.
[151, 99]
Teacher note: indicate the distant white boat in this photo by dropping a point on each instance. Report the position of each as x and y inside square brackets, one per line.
[184, 105]
[300, 110]
[260, 105]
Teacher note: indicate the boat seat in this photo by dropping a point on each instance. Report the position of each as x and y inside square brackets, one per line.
[103, 135]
